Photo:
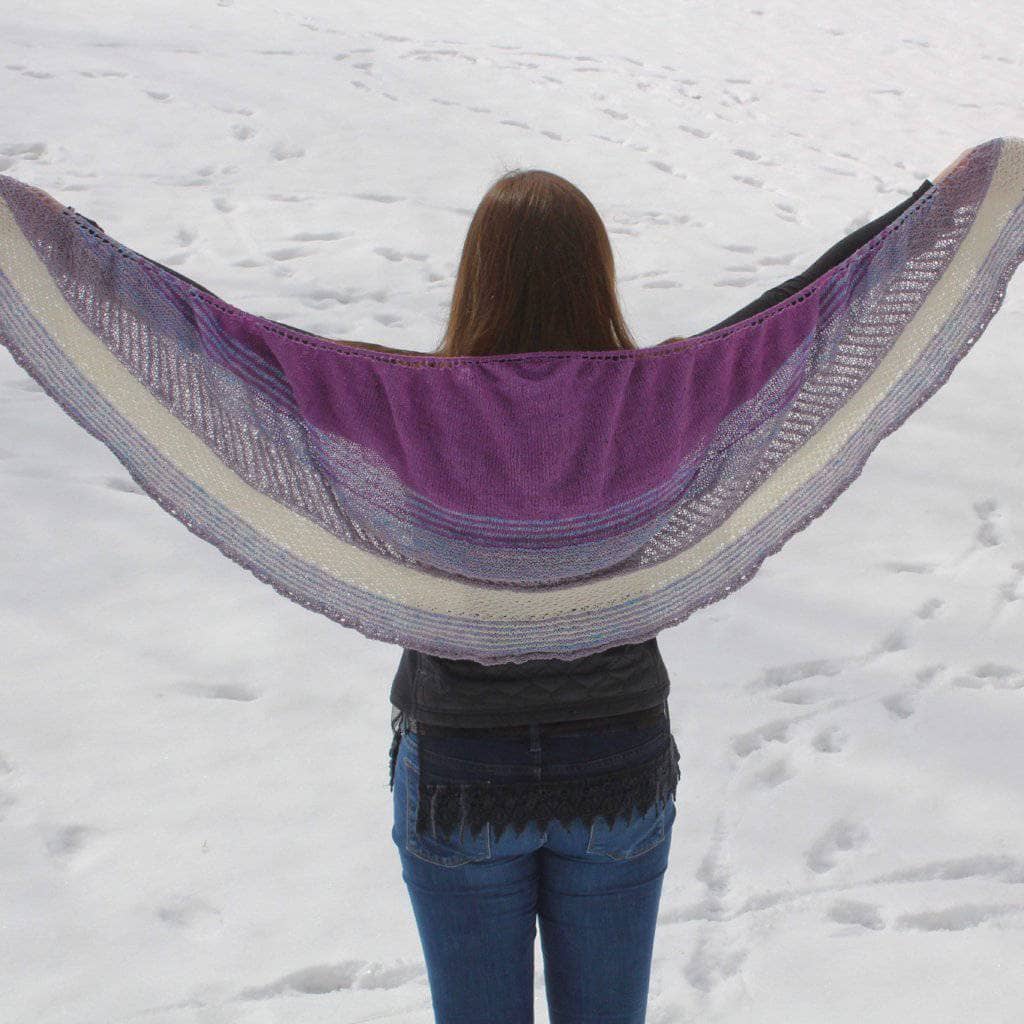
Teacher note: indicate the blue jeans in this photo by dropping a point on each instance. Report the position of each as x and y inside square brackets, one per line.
[477, 901]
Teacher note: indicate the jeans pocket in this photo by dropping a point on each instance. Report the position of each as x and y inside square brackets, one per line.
[434, 846]
[631, 838]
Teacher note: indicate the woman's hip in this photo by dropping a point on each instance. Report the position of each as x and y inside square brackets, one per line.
[608, 795]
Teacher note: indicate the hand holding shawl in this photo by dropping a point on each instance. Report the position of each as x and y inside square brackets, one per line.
[504, 508]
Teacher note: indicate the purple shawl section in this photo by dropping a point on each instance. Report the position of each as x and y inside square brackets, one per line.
[537, 435]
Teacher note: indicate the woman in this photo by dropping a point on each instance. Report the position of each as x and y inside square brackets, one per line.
[542, 792]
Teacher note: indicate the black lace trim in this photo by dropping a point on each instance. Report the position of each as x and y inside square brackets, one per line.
[447, 807]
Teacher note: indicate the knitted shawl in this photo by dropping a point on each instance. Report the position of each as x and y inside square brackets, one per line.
[505, 507]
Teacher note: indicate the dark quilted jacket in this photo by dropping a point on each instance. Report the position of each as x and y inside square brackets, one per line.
[465, 693]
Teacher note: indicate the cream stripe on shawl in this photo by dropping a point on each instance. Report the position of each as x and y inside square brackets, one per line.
[310, 542]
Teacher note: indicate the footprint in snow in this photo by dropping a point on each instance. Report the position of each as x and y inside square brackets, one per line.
[778, 676]
[320, 236]
[918, 568]
[786, 258]
[991, 675]
[747, 743]
[322, 979]
[396, 257]
[289, 253]
[377, 197]
[286, 151]
[856, 912]
[715, 959]
[1000, 866]
[929, 608]
[899, 705]
[958, 918]
[188, 912]
[830, 740]
[896, 640]
[1013, 589]
[775, 773]
[69, 840]
[988, 533]
[24, 150]
[841, 837]
[220, 691]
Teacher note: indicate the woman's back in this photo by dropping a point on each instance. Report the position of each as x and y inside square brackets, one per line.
[542, 790]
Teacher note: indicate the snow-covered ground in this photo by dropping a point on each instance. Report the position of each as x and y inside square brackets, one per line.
[194, 813]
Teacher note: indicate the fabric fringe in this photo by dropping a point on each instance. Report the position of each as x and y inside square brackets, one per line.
[446, 808]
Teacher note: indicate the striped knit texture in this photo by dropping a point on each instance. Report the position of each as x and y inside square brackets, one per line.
[505, 508]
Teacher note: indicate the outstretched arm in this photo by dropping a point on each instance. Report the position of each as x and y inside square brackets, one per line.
[836, 254]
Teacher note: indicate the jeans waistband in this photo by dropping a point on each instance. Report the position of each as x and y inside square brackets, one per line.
[647, 715]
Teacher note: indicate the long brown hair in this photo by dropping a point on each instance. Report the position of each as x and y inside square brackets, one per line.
[536, 273]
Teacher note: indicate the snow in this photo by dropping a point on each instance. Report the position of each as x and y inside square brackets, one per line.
[194, 813]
